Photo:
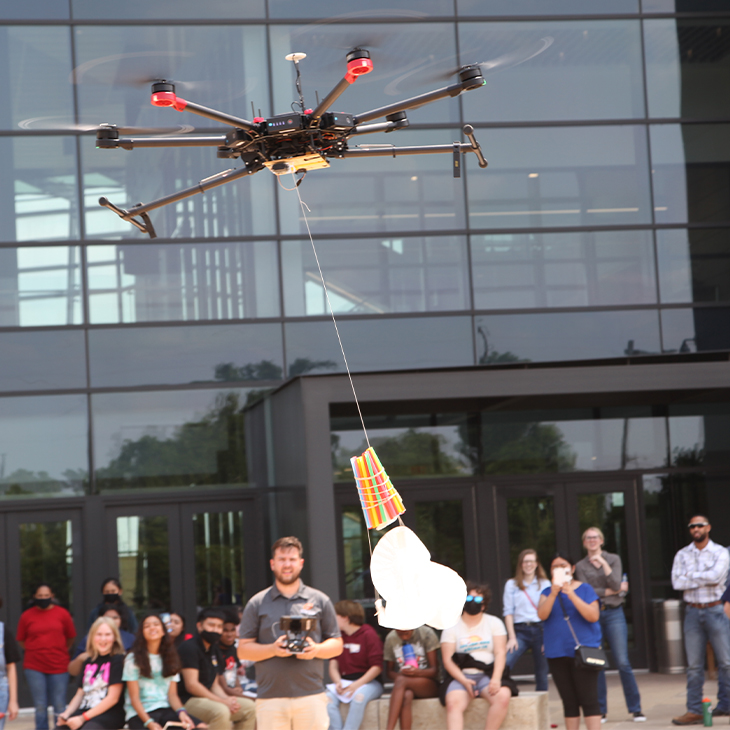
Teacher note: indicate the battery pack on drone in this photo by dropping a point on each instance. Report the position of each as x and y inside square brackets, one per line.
[284, 123]
[337, 121]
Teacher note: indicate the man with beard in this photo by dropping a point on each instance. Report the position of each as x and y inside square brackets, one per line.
[700, 570]
[291, 692]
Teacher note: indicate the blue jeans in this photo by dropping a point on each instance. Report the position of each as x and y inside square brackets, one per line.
[613, 627]
[529, 636]
[370, 691]
[4, 699]
[47, 689]
[700, 626]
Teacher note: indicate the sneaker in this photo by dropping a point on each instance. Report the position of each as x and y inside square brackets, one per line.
[603, 719]
[717, 712]
[689, 718]
[639, 717]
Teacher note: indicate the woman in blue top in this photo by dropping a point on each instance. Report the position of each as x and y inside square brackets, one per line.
[577, 687]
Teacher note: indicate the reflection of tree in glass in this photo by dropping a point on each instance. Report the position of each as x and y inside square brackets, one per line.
[303, 365]
[44, 548]
[694, 456]
[492, 357]
[411, 453]
[440, 525]
[264, 370]
[525, 448]
[151, 566]
[23, 482]
[210, 450]
[531, 524]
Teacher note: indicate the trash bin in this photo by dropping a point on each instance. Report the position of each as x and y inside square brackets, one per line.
[668, 618]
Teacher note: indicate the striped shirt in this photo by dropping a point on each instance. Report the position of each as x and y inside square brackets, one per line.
[701, 574]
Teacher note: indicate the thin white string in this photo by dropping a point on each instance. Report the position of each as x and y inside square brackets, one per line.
[304, 206]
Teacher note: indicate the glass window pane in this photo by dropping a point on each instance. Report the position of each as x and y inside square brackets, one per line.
[571, 70]
[220, 577]
[40, 286]
[531, 524]
[526, 270]
[198, 281]
[407, 61]
[440, 525]
[683, 6]
[565, 336]
[44, 446]
[690, 166]
[699, 434]
[365, 9]
[164, 9]
[687, 70]
[170, 439]
[387, 344]
[144, 562]
[172, 355]
[36, 10]
[538, 7]
[376, 276]
[563, 176]
[694, 266]
[373, 194]
[46, 554]
[35, 66]
[39, 200]
[696, 330]
[433, 445]
[42, 360]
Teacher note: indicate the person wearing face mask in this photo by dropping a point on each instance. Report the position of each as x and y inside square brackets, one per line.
[200, 689]
[46, 632]
[81, 655]
[483, 638]
[111, 594]
[578, 687]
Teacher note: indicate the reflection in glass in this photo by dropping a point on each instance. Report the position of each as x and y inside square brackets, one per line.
[440, 525]
[35, 90]
[144, 561]
[525, 270]
[376, 276]
[408, 59]
[46, 554]
[565, 336]
[40, 285]
[524, 442]
[687, 65]
[170, 439]
[43, 446]
[382, 344]
[690, 166]
[379, 194]
[198, 281]
[36, 10]
[42, 360]
[700, 434]
[561, 176]
[538, 7]
[412, 446]
[696, 330]
[531, 524]
[39, 201]
[164, 9]
[219, 559]
[171, 355]
[365, 9]
[570, 70]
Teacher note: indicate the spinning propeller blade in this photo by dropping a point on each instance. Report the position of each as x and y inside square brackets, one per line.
[60, 123]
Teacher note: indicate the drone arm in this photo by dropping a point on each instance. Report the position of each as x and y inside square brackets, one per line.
[358, 64]
[468, 131]
[387, 150]
[395, 121]
[129, 143]
[169, 98]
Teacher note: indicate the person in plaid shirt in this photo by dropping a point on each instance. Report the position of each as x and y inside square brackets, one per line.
[700, 571]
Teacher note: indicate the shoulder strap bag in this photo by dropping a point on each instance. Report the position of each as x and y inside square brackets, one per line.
[586, 657]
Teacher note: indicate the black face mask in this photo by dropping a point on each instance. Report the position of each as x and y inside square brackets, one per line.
[111, 597]
[42, 602]
[473, 608]
[212, 637]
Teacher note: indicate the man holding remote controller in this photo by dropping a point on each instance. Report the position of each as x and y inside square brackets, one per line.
[290, 683]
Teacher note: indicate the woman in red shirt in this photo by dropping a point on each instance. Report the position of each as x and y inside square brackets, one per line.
[361, 662]
[46, 632]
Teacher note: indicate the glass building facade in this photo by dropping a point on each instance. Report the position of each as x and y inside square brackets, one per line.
[600, 232]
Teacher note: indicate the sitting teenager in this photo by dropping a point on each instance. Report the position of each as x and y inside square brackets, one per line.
[228, 648]
[361, 662]
[177, 629]
[151, 671]
[81, 655]
[484, 638]
[200, 689]
[99, 702]
[111, 594]
[411, 664]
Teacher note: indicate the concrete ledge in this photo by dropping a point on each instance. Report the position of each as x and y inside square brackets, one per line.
[528, 711]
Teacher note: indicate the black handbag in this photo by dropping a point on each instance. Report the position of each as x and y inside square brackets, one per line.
[586, 657]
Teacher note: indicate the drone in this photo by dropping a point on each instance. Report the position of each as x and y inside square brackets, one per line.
[295, 142]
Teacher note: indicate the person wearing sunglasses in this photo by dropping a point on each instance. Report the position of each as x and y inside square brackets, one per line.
[484, 638]
[700, 570]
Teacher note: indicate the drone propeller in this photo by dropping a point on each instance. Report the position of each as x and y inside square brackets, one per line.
[49, 124]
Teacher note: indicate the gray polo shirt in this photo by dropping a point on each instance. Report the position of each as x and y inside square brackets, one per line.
[586, 572]
[288, 676]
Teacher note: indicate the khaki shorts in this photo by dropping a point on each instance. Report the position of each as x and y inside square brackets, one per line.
[293, 713]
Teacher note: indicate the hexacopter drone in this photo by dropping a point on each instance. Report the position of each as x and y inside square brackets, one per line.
[294, 142]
